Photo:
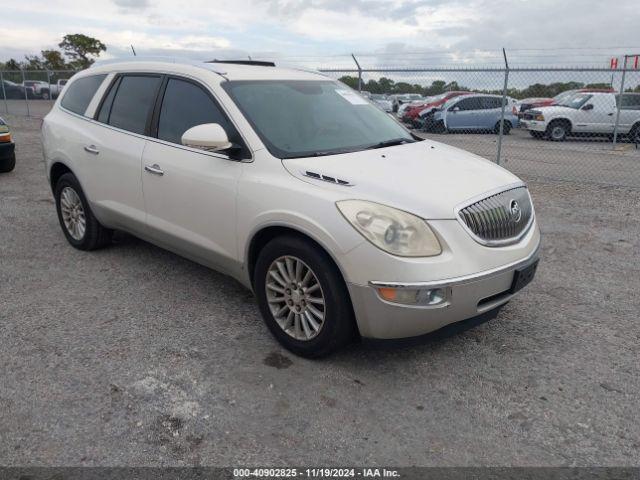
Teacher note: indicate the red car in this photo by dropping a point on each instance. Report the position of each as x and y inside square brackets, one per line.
[412, 114]
[529, 103]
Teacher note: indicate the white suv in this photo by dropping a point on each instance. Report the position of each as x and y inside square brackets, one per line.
[585, 113]
[339, 220]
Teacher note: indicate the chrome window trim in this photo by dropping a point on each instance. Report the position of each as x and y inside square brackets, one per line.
[157, 140]
[490, 193]
[450, 282]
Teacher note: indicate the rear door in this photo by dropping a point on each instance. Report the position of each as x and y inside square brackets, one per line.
[190, 194]
[464, 114]
[123, 120]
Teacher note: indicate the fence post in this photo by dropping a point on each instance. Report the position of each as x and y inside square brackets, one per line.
[504, 104]
[359, 72]
[617, 124]
[4, 94]
[49, 84]
[26, 100]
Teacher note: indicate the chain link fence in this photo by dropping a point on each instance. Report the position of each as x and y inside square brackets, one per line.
[569, 124]
[31, 92]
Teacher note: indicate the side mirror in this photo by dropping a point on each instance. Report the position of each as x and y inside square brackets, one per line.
[588, 106]
[208, 136]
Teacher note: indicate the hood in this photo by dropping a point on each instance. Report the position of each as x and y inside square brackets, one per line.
[553, 110]
[426, 178]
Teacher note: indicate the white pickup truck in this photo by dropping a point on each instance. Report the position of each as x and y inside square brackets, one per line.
[56, 88]
[585, 113]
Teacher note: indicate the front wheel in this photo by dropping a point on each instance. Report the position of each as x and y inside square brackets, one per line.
[302, 297]
[45, 95]
[8, 164]
[557, 131]
[79, 225]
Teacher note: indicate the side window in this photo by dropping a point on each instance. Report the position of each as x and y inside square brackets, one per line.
[132, 102]
[79, 94]
[186, 105]
[491, 103]
[469, 104]
[105, 107]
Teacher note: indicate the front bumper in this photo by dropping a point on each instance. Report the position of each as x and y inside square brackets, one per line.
[534, 125]
[6, 150]
[467, 297]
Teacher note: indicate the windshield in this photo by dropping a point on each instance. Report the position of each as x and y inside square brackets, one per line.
[312, 118]
[575, 101]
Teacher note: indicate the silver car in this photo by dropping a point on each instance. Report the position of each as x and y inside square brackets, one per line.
[342, 223]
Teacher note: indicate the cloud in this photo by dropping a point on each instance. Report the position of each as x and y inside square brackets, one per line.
[132, 4]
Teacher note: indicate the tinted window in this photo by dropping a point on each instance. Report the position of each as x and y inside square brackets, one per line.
[133, 102]
[79, 94]
[469, 104]
[186, 105]
[491, 102]
[629, 101]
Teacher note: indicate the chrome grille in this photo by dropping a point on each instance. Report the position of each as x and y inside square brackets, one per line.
[499, 219]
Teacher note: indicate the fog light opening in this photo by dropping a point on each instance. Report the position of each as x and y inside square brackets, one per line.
[414, 296]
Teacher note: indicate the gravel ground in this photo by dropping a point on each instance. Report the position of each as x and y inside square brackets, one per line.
[134, 356]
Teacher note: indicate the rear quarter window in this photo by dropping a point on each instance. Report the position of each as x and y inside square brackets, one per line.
[79, 94]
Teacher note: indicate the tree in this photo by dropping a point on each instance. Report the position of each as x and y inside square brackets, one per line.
[32, 62]
[53, 60]
[80, 48]
[12, 64]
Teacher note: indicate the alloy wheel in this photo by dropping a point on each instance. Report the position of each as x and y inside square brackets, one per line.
[295, 297]
[73, 215]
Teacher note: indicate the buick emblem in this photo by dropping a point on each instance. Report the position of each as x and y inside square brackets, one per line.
[516, 213]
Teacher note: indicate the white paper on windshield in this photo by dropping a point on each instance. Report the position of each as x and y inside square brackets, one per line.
[352, 97]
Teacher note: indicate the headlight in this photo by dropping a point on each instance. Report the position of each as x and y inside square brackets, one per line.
[394, 231]
[539, 117]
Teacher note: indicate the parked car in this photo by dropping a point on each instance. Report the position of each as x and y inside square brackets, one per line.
[530, 103]
[476, 112]
[7, 149]
[585, 113]
[40, 89]
[340, 231]
[382, 101]
[418, 114]
[398, 100]
[405, 106]
[15, 91]
[56, 88]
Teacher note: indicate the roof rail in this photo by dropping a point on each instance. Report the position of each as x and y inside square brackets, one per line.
[256, 63]
[177, 60]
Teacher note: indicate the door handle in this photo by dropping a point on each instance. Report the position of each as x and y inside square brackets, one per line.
[610, 114]
[155, 169]
[91, 149]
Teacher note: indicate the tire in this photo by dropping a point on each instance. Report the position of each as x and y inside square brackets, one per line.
[8, 164]
[45, 95]
[557, 130]
[505, 129]
[93, 235]
[634, 134]
[336, 324]
[536, 135]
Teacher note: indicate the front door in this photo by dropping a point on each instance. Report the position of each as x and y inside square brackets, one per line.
[190, 194]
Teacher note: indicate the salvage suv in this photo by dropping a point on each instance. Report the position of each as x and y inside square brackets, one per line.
[341, 222]
[585, 113]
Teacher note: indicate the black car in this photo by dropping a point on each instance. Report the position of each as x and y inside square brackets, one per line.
[7, 149]
[14, 91]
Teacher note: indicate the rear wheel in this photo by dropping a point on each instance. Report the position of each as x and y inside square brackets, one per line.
[302, 297]
[505, 129]
[79, 225]
[45, 95]
[8, 164]
[558, 130]
[634, 134]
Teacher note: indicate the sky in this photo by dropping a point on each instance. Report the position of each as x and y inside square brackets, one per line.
[323, 32]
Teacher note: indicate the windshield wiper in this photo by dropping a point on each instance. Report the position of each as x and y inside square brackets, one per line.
[391, 143]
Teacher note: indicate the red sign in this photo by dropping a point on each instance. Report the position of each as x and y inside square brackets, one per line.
[636, 62]
[614, 63]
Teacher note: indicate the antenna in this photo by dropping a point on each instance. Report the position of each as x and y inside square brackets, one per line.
[133, 50]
